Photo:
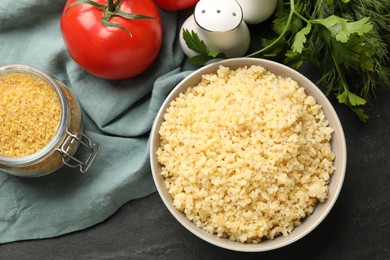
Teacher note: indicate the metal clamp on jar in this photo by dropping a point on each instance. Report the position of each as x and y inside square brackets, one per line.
[41, 124]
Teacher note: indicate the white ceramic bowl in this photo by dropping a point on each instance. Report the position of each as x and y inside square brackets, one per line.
[338, 147]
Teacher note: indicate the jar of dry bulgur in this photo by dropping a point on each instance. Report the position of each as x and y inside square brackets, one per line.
[41, 126]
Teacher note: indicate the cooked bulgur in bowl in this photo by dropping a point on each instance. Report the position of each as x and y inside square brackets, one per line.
[248, 154]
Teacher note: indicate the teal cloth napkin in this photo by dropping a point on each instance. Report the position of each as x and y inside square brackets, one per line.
[117, 114]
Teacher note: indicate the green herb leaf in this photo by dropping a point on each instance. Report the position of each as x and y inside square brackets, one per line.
[343, 97]
[282, 19]
[300, 38]
[350, 98]
[355, 100]
[199, 60]
[193, 42]
[355, 53]
[215, 54]
[362, 53]
[360, 114]
[341, 29]
[297, 59]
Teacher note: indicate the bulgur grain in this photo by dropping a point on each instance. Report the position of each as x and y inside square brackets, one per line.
[246, 154]
[30, 114]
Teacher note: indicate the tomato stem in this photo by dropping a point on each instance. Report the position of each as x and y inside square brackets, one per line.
[111, 6]
[110, 10]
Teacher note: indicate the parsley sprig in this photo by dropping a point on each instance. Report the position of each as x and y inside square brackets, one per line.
[347, 40]
[204, 55]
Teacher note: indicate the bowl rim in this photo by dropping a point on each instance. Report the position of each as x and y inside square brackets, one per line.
[339, 149]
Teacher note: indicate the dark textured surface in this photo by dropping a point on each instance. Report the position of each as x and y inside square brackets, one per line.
[358, 227]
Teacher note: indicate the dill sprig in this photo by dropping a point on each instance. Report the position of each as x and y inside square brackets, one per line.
[347, 40]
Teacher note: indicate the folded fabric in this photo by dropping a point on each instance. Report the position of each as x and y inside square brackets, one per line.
[118, 115]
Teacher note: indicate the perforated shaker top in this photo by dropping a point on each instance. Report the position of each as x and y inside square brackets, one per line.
[218, 15]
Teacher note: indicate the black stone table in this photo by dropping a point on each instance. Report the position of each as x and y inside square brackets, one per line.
[358, 227]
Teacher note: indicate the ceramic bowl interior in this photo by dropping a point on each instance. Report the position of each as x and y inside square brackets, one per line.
[338, 146]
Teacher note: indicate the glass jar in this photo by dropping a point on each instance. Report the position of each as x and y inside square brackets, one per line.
[66, 140]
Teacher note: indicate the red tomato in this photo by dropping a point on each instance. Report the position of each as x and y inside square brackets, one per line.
[109, 52]
[176, 4]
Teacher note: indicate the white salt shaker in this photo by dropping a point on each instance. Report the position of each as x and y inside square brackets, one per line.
[257, 11]
[220, 24]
